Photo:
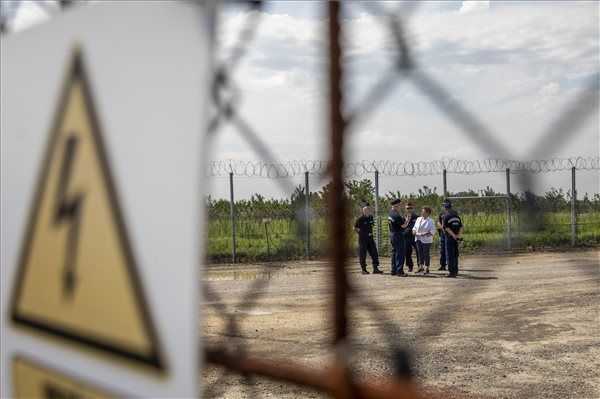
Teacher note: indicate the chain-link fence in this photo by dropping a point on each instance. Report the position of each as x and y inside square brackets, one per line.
[261, 229]
[300, 225]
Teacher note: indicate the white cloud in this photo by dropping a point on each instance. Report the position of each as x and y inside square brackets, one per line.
[298, 34]
[508, 65]
[474, 6]
[28, 13]
[514, 65]
[546, 97]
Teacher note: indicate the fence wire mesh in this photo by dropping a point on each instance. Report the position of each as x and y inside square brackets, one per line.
[281, 228]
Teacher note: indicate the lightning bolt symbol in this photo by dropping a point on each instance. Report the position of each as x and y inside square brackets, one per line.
[68, 211]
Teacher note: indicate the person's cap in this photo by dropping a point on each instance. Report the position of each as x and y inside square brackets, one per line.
[396, 201]
[447, 204]
[409, 205]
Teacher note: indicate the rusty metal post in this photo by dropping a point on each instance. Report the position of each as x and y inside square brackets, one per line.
[337, 202]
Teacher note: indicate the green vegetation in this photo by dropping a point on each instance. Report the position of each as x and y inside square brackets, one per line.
[267, 228]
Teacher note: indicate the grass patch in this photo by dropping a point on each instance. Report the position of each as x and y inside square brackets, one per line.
[261, 239]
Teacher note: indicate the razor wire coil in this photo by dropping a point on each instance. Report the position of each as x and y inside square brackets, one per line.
[296, 168]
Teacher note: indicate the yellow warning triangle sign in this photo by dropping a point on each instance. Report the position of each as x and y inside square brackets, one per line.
[77, 278]
[34, 380]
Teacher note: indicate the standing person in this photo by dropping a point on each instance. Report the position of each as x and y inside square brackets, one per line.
[423, 231]
[453, 229]
[411, 216]
[366, 243]
[397, 224]
[440, 229]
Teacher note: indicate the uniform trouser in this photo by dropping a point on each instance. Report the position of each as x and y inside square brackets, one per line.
[443, 250]
[423, 253]
[398, 251]
[410, 244]
[367, 245]
[452, 254]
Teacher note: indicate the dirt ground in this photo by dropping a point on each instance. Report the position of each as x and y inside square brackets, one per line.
[524, 326]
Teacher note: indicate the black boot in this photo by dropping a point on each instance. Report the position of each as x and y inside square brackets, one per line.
[364, 270]
[376, 270]
[442, 268]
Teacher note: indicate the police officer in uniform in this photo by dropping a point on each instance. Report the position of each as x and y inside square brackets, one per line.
[442, 236]
[408, 236]
[366, 243]
[453, 229]
[397, 224]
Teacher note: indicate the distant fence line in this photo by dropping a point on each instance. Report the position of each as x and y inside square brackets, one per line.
[294, 168]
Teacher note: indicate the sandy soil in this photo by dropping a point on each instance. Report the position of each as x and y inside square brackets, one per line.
[509, 327]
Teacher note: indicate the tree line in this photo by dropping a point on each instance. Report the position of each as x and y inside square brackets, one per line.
[358, 192]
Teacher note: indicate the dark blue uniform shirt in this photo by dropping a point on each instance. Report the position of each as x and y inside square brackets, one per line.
[452, 221]
[411, 224]
[365, 224]
[441, 220]
[395, 222]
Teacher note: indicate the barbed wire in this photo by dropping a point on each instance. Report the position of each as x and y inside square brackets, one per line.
[296, 168]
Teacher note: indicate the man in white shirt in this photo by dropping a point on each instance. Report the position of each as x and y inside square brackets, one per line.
[423, 230]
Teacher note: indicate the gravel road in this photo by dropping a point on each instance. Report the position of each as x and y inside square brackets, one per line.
[517, 326]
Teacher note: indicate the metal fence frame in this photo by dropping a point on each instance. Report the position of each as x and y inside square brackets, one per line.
[307, 215]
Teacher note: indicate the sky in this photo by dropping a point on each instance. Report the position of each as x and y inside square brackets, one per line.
[515, 65]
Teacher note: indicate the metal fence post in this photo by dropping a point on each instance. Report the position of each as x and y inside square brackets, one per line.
[573, 208]
[232, 217]
[445, 183]
[508, 212]
[307, 213]
[377, 220]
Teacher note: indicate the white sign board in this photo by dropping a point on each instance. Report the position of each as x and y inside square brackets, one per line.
[103, 115]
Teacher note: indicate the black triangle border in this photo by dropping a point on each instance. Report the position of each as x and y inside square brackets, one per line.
[155, 359]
